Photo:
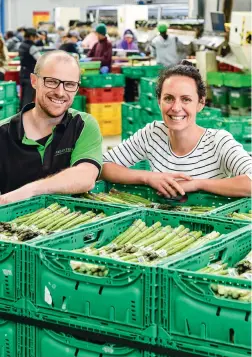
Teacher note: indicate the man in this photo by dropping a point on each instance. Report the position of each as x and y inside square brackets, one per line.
[164, 47]
[29, 54]
[48, 148]
[102, 50]
[71, 44]
[12, 42]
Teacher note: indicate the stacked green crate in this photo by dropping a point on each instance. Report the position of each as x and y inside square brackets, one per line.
[79, 103]
[8, 99]
[231, 91]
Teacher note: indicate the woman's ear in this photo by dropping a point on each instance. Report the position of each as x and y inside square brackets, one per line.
[201, 104]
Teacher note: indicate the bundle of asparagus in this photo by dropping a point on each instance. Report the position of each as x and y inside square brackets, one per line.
[241, 215]
[54, 218]
[115, 196]
[150, 245]
[242, 270]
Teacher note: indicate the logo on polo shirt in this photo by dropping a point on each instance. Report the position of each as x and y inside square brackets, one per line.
[63, 151]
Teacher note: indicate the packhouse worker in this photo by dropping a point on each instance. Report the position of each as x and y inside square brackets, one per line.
[183, 156]
[47, 147]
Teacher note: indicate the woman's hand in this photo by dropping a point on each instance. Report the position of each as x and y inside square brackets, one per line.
[167, 184]
[190, 186]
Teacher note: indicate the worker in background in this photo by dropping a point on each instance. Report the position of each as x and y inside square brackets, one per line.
[29, 54]
[91, 39]
[164, 47]
[71, 44]
[102, 50]
[12, 42]
[59, 35]
[128, 42]
[49, 148]
[43, 40]
[3, 58]
[20, 33]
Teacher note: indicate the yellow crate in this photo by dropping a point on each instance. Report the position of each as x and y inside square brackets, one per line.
[108, 116]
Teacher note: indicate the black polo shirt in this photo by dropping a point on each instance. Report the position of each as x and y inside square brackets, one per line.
[75, 140]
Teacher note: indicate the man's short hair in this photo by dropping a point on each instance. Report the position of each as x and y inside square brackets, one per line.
[59, 54]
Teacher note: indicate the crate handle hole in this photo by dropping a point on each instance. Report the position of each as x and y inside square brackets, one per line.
[77, 285]
[218, 311]
[100, 290]
[247, 316]
[231, 335]
[76, 352]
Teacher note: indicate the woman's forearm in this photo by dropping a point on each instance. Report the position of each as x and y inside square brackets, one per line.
[119, 174]
[239, 186]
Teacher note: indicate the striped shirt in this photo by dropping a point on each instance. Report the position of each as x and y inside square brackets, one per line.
[216, 155]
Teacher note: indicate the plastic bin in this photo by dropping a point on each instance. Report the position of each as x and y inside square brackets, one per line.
[124, 303]
[215, 78]
[148, 116]
[49, 343]
[239, 98]
[232, 124]
[11, 335]
[11, 211]
[148, 101]
[148, 85]
[8, 91]
[134, 72]
[103, 95]
[194, 199]
[219, 96]
[103, 81]
[237, 80]
[131, 117]
[192, 317]
[240, 206]
[108, 116]
[79, 103]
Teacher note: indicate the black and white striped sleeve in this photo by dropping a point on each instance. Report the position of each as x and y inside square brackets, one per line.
[235, 159]
[130, 151]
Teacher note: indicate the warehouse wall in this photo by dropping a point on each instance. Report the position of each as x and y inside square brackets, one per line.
[19, 12]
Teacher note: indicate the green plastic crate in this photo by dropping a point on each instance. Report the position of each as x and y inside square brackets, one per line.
[10, 273]
[2, 113]
[219, 96]
[10, 108]
[148, 85]
[142, 165]
[11, 211]
[237, 80]
[208, 112]
[194, 199]
[8, 91]
[103, 81]
[239, 97]
[215, 79]
[247, 145]
[192, 317]
[241, 206]
[124, 303]
[131, 117]
[147, 116]
[46, 343]
[11, 338]
[152, 71]
[150, 102]
[79, 103]
[134, 72]
[233, 125]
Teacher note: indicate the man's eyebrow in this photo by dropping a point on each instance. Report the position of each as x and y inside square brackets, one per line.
[183, 95]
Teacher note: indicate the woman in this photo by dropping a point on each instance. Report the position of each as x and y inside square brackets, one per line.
[3, 58]
[184, 157]
[128, 42]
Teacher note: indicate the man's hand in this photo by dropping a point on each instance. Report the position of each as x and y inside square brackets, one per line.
[167, 184]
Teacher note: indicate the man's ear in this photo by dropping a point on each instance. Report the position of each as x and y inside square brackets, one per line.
[34, 80]
[201, 104]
